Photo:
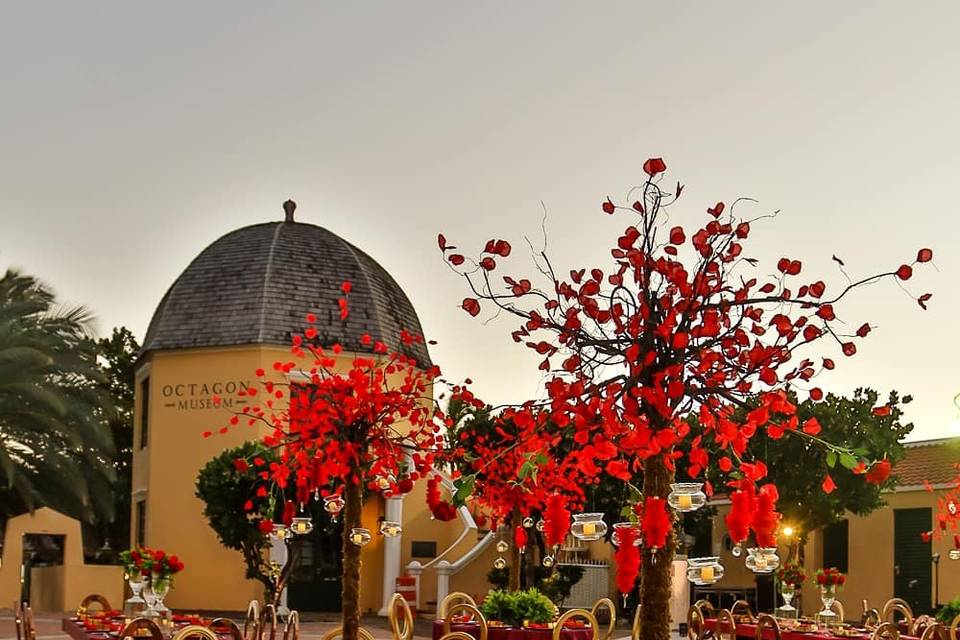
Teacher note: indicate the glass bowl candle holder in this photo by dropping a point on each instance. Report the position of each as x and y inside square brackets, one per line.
[301, 525]
[620, 526]
[686, 496]
[333, 505]
[280, 531]
[704, 571]
[390, 529]
[360, 536]
[762, 559]
[588, 526]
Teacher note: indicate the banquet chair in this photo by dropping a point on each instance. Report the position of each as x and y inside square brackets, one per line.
[935, 631]
[337, 632]
[895, 606]
[920, 624]
[228, 625]
[765, 620]
[726, 625]
[635, 629]
[472, 610]
[457, 635]
[742, 607]
[886, 631]
[93, 598]
[696, 620]
[269, 615]
[26, 629]
[606, 603]
[954, 628]
[195, 631]
[451, 599]
[252, 623]
[870, 617]
[398, 602]
[576, 613]
[291, 629]
[139, 624]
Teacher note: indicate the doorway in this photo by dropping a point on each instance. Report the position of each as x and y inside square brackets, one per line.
[912, 558]
[39, 550]
[314, 583]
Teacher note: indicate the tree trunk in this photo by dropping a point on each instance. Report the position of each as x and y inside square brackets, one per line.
[350, 594]
[656, 572]
[515, 557]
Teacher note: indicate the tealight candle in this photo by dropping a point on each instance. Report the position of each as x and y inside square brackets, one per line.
[357, 539]
[685, 501]
[589, 529]
[706, 574]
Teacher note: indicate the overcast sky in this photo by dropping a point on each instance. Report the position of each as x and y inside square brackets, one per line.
[134, 135]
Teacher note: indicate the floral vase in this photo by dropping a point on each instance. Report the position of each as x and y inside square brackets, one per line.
[787, 591]
[135, 603]
[161, 587]
[828, 594]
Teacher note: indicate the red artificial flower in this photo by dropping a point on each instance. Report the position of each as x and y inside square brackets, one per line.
[653, 166]
[556, 518]
[828, 485]
[656, 522]
[627, 556]
[879, 472]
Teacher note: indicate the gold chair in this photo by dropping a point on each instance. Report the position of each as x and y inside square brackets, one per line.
[934, 631]
[337, 632]
[920, 624]
[696, 620]
[726, 625]
[228, 625]
[26, 629]
[895, 606]
[886, 631]
[139, 624]
[474, 612]
[269, 615]
[953, 628]
[398, 602]
[451, 599]
[457, 635]
[765, 620]
[742, 608]
[635, 629]
[576, 613]
[195, 631]
[291, 629]
[93, 598]
[252, 624]
[612, 608]
[871, 617]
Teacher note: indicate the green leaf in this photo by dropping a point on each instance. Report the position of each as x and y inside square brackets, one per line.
[464, 489]
[848, 461]
[831, 459]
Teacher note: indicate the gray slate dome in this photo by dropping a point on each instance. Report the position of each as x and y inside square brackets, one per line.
[256, 285]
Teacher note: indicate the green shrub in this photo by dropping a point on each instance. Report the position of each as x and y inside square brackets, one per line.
[949, 611]
[518, 607]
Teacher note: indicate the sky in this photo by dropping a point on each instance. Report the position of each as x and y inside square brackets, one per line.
[132, 135]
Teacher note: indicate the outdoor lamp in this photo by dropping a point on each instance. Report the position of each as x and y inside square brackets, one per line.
[301, 525]
[762, 559]
[360, 536]
[390, 529]
[686, 496]
[588, 526]
[788, 531]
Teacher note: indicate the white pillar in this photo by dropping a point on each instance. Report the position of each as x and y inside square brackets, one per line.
[281, 555]
[444, 569]
[393, 511]
[415, 569]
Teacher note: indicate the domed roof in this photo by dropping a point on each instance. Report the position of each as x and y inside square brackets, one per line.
[256, 285]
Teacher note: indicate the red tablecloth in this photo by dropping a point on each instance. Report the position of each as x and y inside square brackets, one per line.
[747, 630]
[512, 633]
[75, 629]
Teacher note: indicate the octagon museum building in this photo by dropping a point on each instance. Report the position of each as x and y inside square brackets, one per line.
[230, 313]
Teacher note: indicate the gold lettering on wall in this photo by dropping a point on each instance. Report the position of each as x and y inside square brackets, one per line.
[189, 396]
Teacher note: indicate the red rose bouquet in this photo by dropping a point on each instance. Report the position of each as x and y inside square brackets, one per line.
[791, 575]
[830, 578]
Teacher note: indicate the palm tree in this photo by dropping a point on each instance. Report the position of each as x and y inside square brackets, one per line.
[56, 447]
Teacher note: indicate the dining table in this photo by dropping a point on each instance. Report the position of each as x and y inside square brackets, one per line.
[749, 630]
[107, 626]
[496, 632]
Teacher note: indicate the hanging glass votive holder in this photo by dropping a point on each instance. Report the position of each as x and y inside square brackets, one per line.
[548, 561]
[502, 546]
[762, 559]
[541, 525]
[301, 525]
[279, 532]
[588, 526]
[360, 536]
[686, 496]
[333, 505]
[527, 522]
[954, 554]
[620, 526]
[704, 571]
[390, 529]
[499, 563]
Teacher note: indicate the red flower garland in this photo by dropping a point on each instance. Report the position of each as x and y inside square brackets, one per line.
[556, 520]
[743, 505]
[520, 537]
[628, 559]
[766, 518]
[656, 523]
[441, 509]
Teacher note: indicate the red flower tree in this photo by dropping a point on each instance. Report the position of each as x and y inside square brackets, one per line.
[343, 423]
[662, 348]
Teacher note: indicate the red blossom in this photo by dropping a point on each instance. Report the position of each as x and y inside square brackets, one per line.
[653, 166]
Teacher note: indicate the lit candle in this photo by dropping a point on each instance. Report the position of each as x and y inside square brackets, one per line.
[589, 529]
[685, 501]
[706, 574]
[357, 539]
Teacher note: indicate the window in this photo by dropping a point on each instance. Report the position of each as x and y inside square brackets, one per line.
[144, 410]
[141, 523]
[836, 545]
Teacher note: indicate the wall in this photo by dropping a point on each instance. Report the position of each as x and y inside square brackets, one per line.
[63, 588]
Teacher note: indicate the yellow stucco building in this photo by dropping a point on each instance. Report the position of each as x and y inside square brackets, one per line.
[230, 313]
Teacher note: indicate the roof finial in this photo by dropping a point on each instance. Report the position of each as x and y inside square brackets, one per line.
[288, 208]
